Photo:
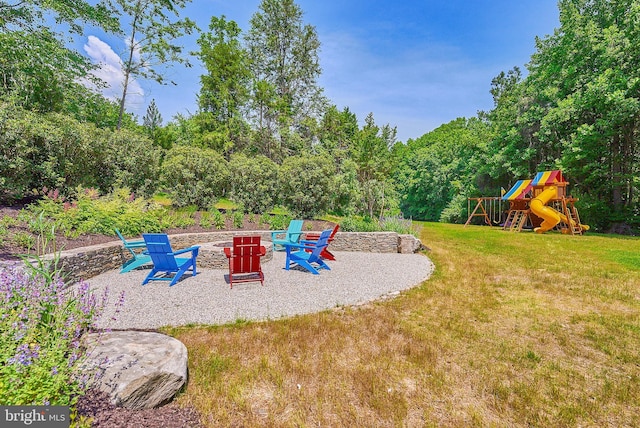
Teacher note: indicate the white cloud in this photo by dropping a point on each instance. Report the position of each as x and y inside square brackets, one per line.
[110, 71]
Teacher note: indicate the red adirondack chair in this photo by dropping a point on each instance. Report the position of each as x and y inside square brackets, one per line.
[325, 254]
[244, 259]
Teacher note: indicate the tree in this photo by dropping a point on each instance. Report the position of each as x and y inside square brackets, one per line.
[152, 121]
[579, 108]
[371, 151]
[224, 89]
[439, 170]
[224, 92]
[285, 66]
[31, 15]
[150, 40]
[37, 69]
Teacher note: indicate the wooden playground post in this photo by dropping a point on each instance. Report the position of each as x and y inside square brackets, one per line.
[480, 205]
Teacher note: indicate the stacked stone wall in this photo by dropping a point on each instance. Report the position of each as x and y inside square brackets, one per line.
[87, 262]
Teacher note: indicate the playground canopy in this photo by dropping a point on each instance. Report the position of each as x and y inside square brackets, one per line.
[523, 187]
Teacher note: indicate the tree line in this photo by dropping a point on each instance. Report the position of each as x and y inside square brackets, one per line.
[264, 134]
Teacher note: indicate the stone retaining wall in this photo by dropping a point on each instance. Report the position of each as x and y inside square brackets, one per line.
[87, 262]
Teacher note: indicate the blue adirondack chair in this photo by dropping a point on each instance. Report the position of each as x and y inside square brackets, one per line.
[311, 261]
[165, 260]
[138, 258]
[290, 236]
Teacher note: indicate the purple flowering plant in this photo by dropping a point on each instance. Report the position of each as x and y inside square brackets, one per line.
[42, 322]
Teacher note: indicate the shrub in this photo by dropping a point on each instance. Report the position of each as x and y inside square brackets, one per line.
[279, 222]
[218, 219]
[306, 185]
[133, 162]
[238, 219]
[89, 213]
[40, 348]
[254, 182]
[194, 176]
[399, 225]
[357, 224]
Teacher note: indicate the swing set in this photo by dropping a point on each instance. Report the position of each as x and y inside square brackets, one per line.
[540, 202]
[491, 209]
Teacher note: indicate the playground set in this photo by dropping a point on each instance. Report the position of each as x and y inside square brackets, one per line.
[540, 203]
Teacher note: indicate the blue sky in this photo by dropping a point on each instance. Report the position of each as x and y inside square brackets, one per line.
[414, 64]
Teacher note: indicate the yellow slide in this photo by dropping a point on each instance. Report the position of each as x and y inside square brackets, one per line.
[549, 216]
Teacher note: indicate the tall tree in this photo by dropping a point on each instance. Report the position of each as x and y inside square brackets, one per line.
[37, 68]
[224, 92]
[585, 83]
[371, 151]
[152, 27]
[285, 67]
[31, 15]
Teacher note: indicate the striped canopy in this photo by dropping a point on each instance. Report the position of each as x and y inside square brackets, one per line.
[518, 191]
[522, 187]
[547, 178]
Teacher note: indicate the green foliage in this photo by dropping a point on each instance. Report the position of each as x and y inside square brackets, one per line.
[238, 219]
[306, 185]
[133, 163]
[151, 27]
[88, 213]
[278, 221]
[359, 224]
[224, 91]
[58, 152]
[385, 224]
[264, 218]
[205, 220]
[24, 240]
[456, 210]
[42, 323]
[226, 205]
[347, 196]
[397, 224]
[218, 219]
[577, 109]
[285, 67]
[253, 182]
[194, 176]
[439, 166]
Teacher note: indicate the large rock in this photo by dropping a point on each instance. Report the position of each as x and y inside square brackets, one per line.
[408, 244]
[139, 370]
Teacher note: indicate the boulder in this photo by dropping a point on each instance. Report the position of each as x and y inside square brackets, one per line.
[408, 244]
[139, 370]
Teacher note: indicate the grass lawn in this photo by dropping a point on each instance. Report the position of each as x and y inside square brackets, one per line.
[513, 329]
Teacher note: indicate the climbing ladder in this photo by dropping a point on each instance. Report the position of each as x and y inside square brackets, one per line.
[516, 219]
[571, 212]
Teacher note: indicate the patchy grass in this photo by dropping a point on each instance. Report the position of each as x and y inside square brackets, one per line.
[513, 329]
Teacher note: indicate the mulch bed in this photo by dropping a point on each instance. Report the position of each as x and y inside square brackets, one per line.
[96, 405]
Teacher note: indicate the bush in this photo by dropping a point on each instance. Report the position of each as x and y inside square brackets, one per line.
[40, 348]
[306, 185]
[194, 176]
[89, 213]
[134, 163]
[254, 182]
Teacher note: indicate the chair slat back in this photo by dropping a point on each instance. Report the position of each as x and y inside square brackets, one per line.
[320, 245]
[294, 230]
[246, 254]
[160, 251]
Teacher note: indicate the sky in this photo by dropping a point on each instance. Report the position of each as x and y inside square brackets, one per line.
[414, 64]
